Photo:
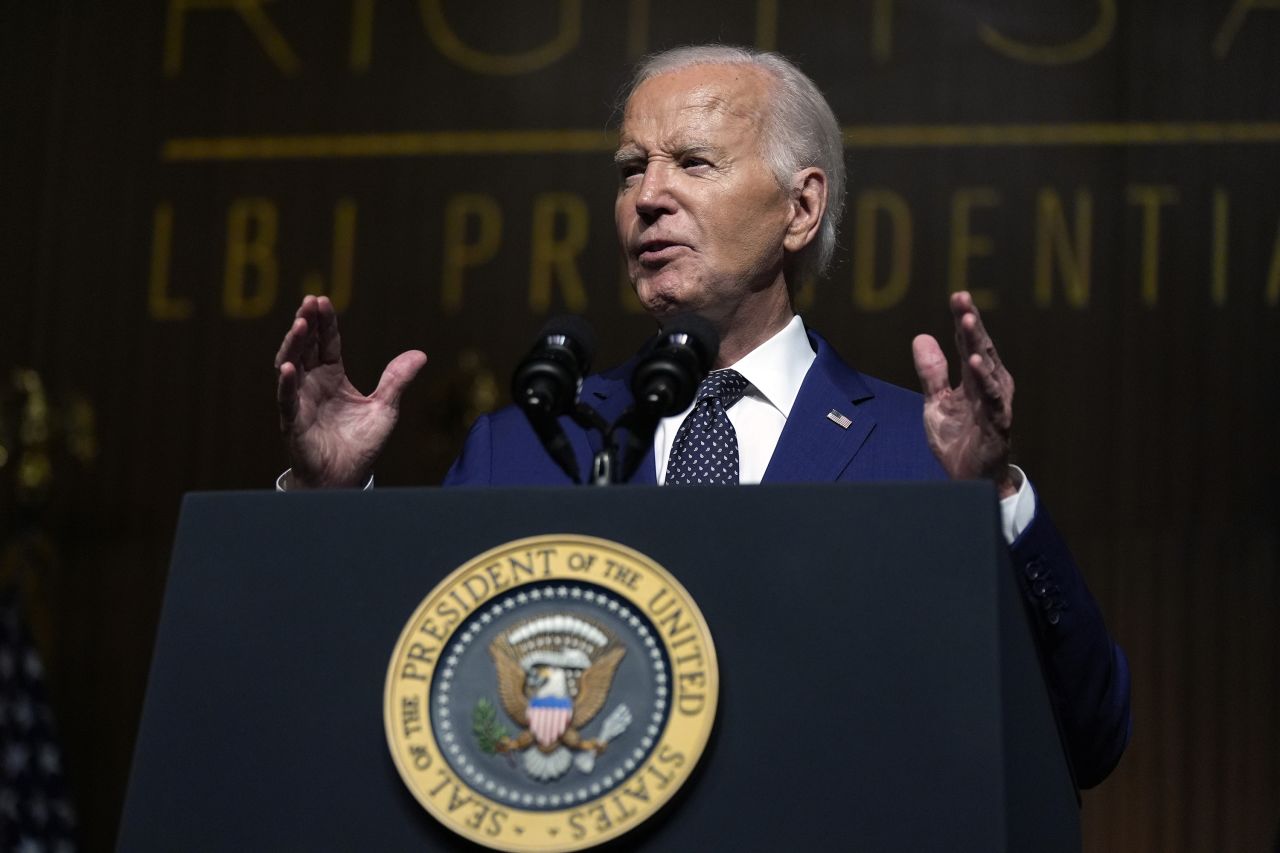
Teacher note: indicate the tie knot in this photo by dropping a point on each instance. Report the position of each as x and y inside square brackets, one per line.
[727, 386]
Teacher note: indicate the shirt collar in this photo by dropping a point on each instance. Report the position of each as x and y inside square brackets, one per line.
[776, 368]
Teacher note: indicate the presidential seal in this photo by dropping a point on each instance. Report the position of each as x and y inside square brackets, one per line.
[551, 694]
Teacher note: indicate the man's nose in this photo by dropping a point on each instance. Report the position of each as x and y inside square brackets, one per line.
[655, 196]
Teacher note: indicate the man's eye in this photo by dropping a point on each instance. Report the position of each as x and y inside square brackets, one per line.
[693, 162]
[630, 170]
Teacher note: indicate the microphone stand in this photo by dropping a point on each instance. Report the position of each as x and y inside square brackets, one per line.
[604, 466]
[623, 443]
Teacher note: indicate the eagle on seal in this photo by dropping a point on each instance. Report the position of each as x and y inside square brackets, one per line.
[554, 675]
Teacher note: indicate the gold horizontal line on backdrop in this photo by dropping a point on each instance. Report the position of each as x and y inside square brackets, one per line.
[1086, 134]
[449, 143]
[338, 146]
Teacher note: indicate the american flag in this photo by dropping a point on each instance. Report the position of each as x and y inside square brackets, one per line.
[548, 718]
[35, 804]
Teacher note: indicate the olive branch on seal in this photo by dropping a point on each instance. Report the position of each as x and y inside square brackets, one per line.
[485, 725]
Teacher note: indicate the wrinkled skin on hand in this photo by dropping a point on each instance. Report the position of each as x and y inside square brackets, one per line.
[333, 433]
[968, 426]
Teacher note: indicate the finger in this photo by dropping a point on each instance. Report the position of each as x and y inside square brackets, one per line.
[973, 342]
[308, 354]
[287, 395]
[979, 341]
[962, 309]
[961, 316]
[996, 393]
[294, 343]
[306, 306]
[968, 356]
[931, 365]
[397, 376]
[971, 332]
[984, 378]
[983, 349]
[329, 341]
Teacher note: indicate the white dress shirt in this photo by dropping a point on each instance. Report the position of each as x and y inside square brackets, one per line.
[774, 372]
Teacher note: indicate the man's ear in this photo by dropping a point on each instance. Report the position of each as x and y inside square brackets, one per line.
[808, 204]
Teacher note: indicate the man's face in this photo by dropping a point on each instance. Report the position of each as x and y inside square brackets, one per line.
[700, 215]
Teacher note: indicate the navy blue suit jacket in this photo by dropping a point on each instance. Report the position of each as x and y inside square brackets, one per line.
[1088, 674]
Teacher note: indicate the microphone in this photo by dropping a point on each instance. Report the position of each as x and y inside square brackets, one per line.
[666, 379]
[547, 381]
[664, 383]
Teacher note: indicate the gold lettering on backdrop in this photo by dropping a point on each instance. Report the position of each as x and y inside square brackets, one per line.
[1272, 297]
[1150, 197]
[1221, 245]
[459, 254]
[1076, 50]
[767, 24]
[1053, 241]
[360, 55]
[867, 294]
[250, 12]
[556, 258]
[882, 31]
[1234, 21]
[342, 272]
[252, 224]
[454, 48]
[966, 245]
[160, 305]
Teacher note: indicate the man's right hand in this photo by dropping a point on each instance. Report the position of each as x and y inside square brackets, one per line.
[333, 432]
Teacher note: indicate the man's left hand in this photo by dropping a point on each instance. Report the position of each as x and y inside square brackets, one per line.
[968, 426]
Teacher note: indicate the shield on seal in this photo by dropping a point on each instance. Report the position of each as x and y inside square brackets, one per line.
[548, 718]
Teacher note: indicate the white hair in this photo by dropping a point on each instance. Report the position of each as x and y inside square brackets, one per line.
[800, 130]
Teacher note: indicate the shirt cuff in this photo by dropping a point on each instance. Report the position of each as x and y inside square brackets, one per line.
[1017, 510]
[282, 482]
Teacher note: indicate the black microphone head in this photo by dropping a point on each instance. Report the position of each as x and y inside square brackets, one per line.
[666, 379]
[574, 332]
[546, 382]
[696, 332]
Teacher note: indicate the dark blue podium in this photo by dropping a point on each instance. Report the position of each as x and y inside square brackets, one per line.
[880, 689]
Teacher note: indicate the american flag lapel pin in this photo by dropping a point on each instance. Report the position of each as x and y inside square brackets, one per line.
[838, 419]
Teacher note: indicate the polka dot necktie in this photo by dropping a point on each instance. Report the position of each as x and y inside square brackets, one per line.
[706, 447]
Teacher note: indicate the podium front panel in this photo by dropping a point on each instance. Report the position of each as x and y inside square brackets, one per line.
[879, 688]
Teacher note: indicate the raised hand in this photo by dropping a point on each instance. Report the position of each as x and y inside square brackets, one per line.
[968, 426]
[333, 432]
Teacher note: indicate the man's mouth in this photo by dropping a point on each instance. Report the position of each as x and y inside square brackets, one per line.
[653, 252]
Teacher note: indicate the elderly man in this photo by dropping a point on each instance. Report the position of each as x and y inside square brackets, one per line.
[731, 181]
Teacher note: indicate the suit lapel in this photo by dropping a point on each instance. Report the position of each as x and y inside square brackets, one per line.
[647, 473]
[812, 447]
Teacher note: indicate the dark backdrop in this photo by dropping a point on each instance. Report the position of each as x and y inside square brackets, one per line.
[1103, 175]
